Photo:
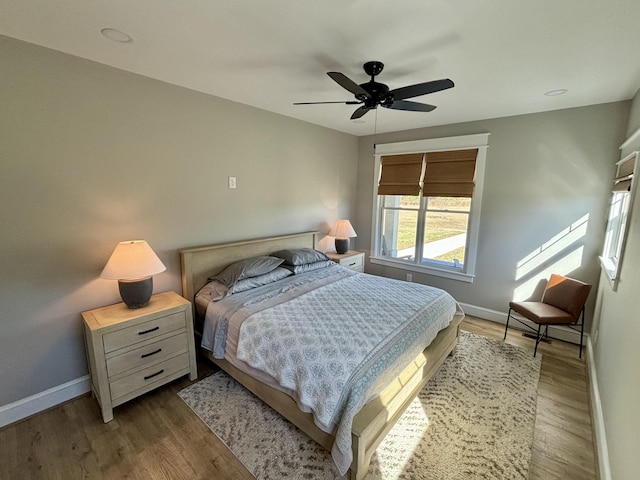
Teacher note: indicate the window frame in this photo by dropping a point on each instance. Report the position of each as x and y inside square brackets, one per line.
[613, 248]
[464, 142]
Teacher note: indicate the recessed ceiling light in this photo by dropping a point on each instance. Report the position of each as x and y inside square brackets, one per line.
[555, 93]
[116, 35]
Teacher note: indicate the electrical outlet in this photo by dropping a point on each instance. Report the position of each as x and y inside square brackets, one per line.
[409, 277]
[232, 182]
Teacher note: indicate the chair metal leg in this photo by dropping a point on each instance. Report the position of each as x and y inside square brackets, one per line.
[507, 325]
[535, 350]
[581, 333]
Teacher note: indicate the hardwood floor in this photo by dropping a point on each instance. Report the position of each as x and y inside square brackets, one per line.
[157, 436]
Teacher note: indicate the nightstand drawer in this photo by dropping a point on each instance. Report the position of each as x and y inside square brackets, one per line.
[354, 262]
[148, 355]
[143, 331]
[148, 376]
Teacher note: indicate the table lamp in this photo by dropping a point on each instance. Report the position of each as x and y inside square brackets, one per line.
[132, 263]
[342, 230]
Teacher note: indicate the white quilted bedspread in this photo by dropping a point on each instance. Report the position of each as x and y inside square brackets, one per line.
[334, 346]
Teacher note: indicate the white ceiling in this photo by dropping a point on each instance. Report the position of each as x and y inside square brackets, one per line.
[503, 55]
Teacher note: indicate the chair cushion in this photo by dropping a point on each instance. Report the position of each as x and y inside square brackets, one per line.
[542, 313]
[567, 294]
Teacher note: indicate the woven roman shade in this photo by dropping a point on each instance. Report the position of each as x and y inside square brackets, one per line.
[401, 174]
[622, 183]
[450, 174]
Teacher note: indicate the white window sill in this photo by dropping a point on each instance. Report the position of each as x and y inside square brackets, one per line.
[453, 275]
[610, 271]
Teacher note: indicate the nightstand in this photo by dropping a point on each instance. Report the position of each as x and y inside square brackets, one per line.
[353, 260]
[133, 351]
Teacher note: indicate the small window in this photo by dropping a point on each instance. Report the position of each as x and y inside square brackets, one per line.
[618, 221]
[428, 205]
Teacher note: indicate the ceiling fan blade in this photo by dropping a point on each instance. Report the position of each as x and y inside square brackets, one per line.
[348, 84]
[360, 112]
[411, 106]
[348, 102]
[421, 89]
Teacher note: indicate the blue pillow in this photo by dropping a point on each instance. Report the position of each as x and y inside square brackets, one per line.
[309, 267]
[250, 267]
[253, 282]
[300, 256]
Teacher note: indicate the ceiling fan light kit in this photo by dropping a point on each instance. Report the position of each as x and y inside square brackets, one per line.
[371, 94]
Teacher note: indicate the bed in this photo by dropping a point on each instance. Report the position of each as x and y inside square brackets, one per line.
[370, 419]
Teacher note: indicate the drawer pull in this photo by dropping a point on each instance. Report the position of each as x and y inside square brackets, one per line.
[154, 374]
[352, 264]
[145, 355]
[149, 331]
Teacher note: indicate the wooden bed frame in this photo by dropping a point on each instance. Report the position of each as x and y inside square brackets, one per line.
[377, 417]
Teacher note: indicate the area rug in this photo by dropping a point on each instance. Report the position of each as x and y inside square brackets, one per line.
[474, 420]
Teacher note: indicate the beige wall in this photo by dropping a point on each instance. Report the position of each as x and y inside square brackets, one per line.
[92, 155]
[544, 172]
[615, 335]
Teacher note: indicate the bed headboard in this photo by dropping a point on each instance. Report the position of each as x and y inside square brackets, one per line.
[199, 263]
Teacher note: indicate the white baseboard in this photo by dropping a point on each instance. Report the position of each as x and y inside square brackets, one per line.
[597, 417]
[44, 400]
[561, 333]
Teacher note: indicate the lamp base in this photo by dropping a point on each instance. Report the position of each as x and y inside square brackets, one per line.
[136, 293]
[342, 245]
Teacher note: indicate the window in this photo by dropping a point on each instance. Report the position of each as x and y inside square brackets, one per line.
[427, 205]
[618, 221]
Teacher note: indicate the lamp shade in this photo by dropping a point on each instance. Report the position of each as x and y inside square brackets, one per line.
[342, 229]
[132, 260]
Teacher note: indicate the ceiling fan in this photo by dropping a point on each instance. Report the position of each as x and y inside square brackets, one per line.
[371, 94]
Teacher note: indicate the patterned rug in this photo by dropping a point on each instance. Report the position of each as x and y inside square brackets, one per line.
[474, 420]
